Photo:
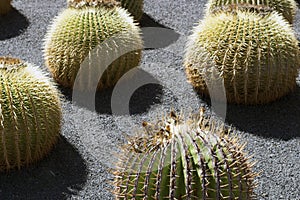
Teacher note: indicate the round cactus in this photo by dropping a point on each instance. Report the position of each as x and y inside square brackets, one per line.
[30, 114]
[257, 57]
[285, 7]
[184, 159]
[5, 6]
[84, 27]
[135, 7]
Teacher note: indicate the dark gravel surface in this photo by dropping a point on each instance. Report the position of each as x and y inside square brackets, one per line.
[76, 168]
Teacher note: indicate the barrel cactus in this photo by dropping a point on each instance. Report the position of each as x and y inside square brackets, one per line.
[179, 158]
[285, 7]
[256, 56]
[92, 26]
[5, 6]
[135, 7]
[30, 114]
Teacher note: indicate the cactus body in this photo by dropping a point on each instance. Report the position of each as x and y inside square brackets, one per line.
[80, 29]
[285, 7]
[184, 159]
[5, 6]
[257, 57]
[30, 114]
[135, 7]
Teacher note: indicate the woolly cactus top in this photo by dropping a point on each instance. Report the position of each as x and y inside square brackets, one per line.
[9, 63]
[261, 8]
[16, 68]
[161, 134]
[285, 7]
[92, 3]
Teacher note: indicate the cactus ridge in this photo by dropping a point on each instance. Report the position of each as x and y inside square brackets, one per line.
[184, 159]
[256, 56]
[75, 33]
[5, 6]
[285, 7]
[30, 114]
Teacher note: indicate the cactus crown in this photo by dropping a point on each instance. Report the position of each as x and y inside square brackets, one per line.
[261, 8]
[92, 3]
[287, 8]
[10, 63]
[161, 133]
[184, 159]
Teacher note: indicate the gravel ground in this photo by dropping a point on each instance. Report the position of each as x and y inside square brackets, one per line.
[77, 167]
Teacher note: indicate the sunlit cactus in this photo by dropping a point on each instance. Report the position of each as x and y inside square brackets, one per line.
[30, 114]
[84, 28]
[257, 57]
[178, 158]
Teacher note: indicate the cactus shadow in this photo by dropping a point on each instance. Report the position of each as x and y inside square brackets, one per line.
[147, 21]
[144, 97]
[12, 24]
[279, 119]
[156, 35]
[140, 101]
[61, 174]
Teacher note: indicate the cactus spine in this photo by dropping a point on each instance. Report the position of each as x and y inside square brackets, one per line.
[135, 7]
[85, 26]
[256, 56]
[184, 159]
[30, 114]
[5, 6]
[285, 7]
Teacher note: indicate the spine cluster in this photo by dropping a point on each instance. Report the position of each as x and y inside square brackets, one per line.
[135, 7]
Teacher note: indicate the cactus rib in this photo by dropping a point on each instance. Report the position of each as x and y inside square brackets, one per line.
[184, 159]
[30, 114]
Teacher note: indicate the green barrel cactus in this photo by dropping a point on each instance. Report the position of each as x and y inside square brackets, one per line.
[285, 7]
[257, 57]
[85, 27]
[179, 158]
[135, 7]
[30, 114]
[5, 6]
